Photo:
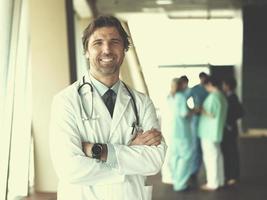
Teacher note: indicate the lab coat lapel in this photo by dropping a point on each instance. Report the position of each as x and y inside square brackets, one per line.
[122, 101]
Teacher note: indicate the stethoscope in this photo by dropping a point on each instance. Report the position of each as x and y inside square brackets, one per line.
[135, 125]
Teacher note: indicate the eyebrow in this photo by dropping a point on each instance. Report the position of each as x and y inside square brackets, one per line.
[116, 39]
[97, 40]
[112, 39]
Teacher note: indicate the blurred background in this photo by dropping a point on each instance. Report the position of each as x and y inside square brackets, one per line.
[41, 53]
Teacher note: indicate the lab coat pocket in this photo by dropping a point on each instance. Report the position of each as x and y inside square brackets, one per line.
[148, 192]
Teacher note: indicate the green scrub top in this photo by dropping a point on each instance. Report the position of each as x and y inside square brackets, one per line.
[211, 128]
[180, 120]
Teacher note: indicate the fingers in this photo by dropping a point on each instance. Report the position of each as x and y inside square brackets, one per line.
[155, 144]
[137, 140]
[154, 141]
[151, 134]
[152, 137]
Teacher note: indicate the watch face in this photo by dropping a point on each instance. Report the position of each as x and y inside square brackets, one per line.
[96, 151]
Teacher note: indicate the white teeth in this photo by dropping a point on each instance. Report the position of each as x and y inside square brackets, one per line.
[106, 59]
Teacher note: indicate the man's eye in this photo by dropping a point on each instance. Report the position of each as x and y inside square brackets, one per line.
[115, 42]
[97, 43]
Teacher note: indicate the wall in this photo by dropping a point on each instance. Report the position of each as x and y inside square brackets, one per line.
[255, 66]
[49, 60]
[82, 64]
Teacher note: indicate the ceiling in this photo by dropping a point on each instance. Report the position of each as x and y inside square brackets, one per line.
[224, 7]
[118, 6]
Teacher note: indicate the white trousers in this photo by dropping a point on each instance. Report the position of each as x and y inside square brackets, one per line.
[213, 161]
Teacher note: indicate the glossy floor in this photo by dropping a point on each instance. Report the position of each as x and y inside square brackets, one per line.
[252, 186]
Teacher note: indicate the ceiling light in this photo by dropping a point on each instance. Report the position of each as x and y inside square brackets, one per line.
[153, 10]
[164, 2]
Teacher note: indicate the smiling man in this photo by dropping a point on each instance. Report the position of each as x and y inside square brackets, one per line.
[106, 52]
[105, 137]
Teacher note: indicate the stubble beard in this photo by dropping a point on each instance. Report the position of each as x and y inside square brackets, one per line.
[108, 71]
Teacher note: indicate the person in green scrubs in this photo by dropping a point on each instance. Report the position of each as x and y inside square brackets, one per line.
[180, 148]
[211, 125]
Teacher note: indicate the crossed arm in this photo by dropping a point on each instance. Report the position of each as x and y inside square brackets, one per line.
[152, 137]
[70, 154]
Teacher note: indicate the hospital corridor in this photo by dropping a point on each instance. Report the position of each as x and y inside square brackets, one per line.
[129, 100]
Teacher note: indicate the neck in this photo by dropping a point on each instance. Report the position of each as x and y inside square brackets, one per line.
[108, 80]
[214, 89]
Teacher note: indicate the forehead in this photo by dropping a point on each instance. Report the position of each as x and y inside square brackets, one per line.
[105, 33]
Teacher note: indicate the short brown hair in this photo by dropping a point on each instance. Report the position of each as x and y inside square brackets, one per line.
[105, 21]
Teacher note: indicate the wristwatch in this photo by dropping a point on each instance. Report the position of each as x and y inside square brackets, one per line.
[97, 150]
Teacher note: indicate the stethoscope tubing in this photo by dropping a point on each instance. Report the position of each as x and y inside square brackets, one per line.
[135, 124]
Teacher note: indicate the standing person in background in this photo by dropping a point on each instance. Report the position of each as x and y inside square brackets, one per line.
[211, 125]
[198, 93]
[230, 137]
[180, 149]
[184, 80]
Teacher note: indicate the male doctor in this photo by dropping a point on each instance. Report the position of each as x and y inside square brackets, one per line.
[97, 150]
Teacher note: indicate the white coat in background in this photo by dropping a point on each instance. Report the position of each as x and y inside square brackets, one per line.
[83, 178]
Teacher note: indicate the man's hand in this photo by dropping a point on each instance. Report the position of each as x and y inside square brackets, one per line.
[87, 147]
[152, 137]
[197, 111]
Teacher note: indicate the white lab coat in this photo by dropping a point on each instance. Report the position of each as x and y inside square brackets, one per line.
[83, 178]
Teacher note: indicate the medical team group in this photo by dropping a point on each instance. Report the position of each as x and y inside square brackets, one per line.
[205, 134]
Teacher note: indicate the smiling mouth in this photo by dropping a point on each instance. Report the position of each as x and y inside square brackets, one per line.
[106, 60]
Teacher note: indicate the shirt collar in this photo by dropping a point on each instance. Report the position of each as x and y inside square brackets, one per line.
[101, 88]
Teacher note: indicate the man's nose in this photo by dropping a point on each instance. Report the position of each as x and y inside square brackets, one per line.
[106, 48]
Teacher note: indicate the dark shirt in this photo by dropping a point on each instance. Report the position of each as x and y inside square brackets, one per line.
[235, 111]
